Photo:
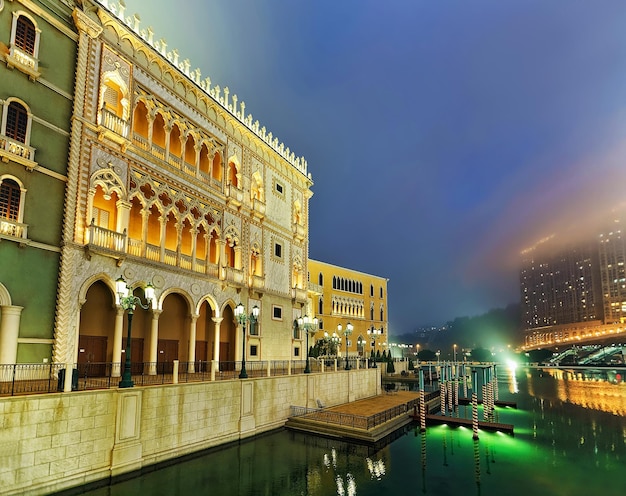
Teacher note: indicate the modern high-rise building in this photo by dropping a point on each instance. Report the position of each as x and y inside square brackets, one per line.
[570, 287]
[612, 250]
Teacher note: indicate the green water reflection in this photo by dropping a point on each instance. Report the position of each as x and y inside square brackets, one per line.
[569, 440]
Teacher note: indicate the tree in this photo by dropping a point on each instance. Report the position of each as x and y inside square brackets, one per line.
[427, 355]
[480, 355]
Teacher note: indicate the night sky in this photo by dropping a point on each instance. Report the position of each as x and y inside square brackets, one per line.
[443, 136]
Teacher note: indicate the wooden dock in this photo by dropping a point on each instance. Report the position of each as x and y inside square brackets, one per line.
[353, 421]
[372, 419]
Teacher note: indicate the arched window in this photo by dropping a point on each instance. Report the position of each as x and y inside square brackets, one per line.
[216, 168]
[232, 174]
[140, 120]
[320, 279]
[17, 122]
[320, 307]
[11, 208]
[10, 194]
[24, 46]
[25, 35]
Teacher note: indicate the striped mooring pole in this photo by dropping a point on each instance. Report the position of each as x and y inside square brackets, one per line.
[422, 402]
[474, 406]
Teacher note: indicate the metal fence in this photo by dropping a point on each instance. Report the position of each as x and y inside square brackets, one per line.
[27, 378]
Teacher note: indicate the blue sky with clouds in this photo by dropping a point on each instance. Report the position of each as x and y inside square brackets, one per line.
[442, 136]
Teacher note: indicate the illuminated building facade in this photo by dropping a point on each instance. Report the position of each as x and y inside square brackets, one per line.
[37, 58]
[340, 296]
[172, 183]
[575, 291]
[560, 286]
[612, 248]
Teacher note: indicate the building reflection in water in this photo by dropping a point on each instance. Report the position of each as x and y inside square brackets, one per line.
[602, 390]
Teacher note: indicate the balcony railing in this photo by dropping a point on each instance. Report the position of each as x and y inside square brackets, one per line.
[114, 123]
[17, 149]
[105, 238]
[298, 294]
[24, 61]
[234, 193]
[13, 228]
[234, 275]
[258, 282]
[315, 288]
[258, 207]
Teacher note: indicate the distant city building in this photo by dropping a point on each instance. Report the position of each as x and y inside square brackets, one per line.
[340, 296]
[571, 287]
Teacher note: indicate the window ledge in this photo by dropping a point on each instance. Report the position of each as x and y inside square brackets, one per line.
[23, 62]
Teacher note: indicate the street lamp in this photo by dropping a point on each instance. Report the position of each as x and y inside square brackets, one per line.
[454, 353]
[346, 333]
[242, 318]
[310, 326]
[128, 301]
[374, 333]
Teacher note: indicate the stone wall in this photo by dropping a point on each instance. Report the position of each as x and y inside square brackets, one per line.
[55, 441]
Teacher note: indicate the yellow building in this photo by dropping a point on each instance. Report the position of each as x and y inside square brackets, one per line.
[340, 296]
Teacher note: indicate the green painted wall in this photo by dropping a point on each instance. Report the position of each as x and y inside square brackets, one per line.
[30, 273]
[33, 353]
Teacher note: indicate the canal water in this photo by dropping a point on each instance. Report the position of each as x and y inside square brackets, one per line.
[570, 440]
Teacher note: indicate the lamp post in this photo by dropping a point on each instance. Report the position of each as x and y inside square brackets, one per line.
[346, 333]
[374, 333]
[242, 318]
[128, 301]
[454, 353]
[310, 326]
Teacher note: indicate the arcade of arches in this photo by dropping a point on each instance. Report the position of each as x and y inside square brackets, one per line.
[159, 336]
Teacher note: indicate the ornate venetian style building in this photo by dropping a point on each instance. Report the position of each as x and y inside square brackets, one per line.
[121, 161]
[172, 183]
[37, 55]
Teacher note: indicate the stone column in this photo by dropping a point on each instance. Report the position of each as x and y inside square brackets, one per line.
[191, 356]
[154, 341]
[216, 347]
[117, 343]
[9, 331]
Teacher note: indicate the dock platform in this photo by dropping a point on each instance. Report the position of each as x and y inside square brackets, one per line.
[365, 421]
